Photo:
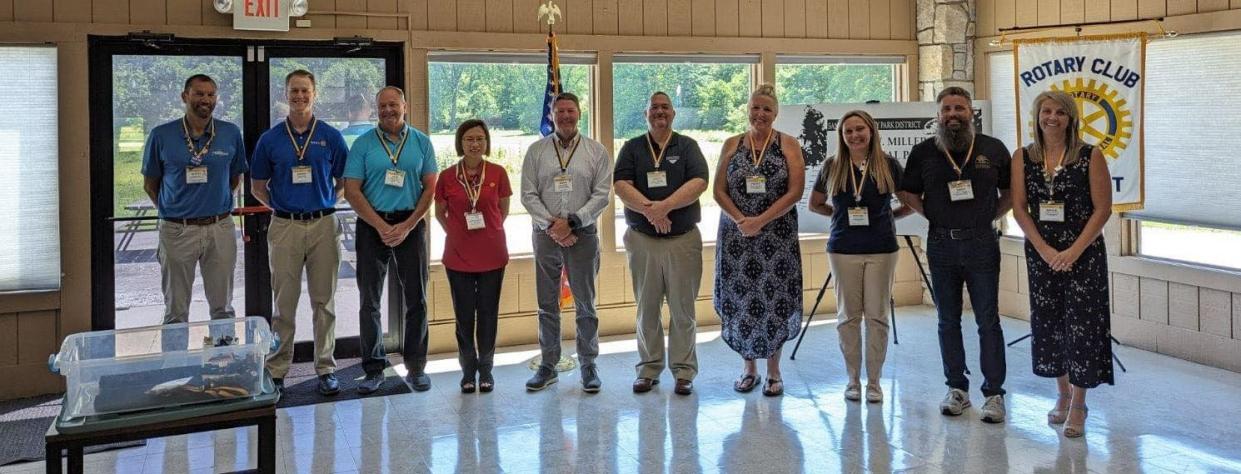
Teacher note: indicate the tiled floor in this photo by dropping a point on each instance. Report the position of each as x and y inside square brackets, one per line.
[1165, 415]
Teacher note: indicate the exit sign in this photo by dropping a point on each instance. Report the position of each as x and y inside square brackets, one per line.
[264, 15]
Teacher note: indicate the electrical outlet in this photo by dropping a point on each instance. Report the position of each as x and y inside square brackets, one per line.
[303, 23]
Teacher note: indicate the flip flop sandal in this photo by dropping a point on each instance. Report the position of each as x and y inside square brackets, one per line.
[768, 391]
[746, 383]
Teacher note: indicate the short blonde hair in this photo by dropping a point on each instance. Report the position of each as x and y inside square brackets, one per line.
[766, 90]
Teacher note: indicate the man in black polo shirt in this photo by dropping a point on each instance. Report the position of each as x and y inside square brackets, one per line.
[659, 177]
[959, 181]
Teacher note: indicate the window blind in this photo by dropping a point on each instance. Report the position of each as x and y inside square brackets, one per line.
[29, 186]
[1193, 130]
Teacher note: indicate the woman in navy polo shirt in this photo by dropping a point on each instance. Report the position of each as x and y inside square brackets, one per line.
[471, 203]
[862, 247]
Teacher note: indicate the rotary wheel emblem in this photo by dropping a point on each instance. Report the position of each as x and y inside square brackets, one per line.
[1106, 121]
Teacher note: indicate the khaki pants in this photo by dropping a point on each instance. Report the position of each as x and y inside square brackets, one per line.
[863, 289]
[182, 248]
[315, 246]
[666, 268]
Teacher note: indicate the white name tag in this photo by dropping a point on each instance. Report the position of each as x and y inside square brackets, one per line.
[395, 177]
[195, 174]
[562, 183]
[755, 184]
[302, 175]
[656, 179]
[960, 190]
[474, 221]
[1051, 211]
[859, 216]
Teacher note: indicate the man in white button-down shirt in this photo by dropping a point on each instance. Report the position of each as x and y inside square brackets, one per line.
[565, 181]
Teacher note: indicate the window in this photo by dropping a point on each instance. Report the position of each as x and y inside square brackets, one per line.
[1003, 114]
[506, 91]
[826, 79]
[709, 94]
[1191, 142]
[29, 186]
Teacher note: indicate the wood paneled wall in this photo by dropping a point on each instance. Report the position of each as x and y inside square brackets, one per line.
[836, 19]
[994, 15]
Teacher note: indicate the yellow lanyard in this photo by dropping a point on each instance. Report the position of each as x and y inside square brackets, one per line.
[473, 191]
[969, 154]
[196, 155]
[857, 188]
[384, 143]
[301, 150]
[564, 163]
[756, 156]
[663, 147]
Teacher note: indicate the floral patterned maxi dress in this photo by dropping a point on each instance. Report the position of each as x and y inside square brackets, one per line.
[758, 280]
[1069, 311]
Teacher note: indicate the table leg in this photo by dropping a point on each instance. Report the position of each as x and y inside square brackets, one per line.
[75, 459]
[52, 459]
[267, 445]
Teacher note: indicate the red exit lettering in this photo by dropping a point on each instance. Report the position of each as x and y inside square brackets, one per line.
[262, 8]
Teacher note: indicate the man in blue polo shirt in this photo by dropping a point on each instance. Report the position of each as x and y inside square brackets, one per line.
[190, 168]
[296, 170]
[389, 181]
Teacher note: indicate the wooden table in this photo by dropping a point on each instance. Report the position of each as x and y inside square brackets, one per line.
[263, 417]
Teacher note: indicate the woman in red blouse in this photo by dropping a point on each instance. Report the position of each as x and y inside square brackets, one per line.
[471, 203]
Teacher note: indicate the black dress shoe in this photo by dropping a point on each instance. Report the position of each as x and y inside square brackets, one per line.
[684, 387]
[421, 382]
[328, 385]
[590, 379]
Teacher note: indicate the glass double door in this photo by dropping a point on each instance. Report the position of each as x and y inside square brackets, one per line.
[136, 86]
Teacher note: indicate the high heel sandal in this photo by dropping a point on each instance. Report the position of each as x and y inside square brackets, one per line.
[1076, 430]
[467, 385]
[1056, 415]
[486, 383]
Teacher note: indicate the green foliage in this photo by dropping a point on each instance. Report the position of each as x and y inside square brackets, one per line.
[833, 83]
[506, 96]
[706, 96]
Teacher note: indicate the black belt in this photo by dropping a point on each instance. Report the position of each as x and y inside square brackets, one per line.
[197, 220]
[395, 216]
[304, 216]
[963, 234]
[661, 236]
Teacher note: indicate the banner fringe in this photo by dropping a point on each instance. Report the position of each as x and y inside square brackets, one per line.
[1074, 39]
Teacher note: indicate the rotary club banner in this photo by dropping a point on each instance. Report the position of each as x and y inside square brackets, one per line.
[1106, 74]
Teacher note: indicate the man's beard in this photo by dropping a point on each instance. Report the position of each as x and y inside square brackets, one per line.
[955, 140]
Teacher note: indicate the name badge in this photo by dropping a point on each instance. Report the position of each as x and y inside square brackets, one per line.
[395, 177]
[301, 175]
[563, 184]
[960, 190]
[755, 184]
[656, 179]
[1051, 211]
[474, 221]
[859, 216]
[195, 174]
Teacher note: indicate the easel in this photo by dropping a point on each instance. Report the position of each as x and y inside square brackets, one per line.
[896, 339]
[1113, 338]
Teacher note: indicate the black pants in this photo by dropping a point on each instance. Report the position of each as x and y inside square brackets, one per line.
[411, 272]
[974, 264]
[476, 297]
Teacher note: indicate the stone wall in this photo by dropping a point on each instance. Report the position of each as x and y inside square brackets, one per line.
[946, 30]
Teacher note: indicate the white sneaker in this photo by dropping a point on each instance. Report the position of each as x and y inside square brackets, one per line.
[955, 402]
[853, 393]
[874, 394]
[993, 409]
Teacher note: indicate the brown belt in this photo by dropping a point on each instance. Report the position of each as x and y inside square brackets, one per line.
[198, 220]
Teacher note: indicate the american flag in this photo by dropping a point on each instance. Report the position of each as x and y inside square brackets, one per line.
[553, 85]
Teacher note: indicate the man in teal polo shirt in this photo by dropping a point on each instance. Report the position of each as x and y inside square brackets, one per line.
[389, 180]
[191, 166]
[296, 170]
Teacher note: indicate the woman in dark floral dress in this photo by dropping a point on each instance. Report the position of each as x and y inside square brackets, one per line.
[1062, 198]
[758, 279]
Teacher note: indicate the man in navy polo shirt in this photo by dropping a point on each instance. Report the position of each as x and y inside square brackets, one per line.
[296, 170]
[389, 181]
[190, 168]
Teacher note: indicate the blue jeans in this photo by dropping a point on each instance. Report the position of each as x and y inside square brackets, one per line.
[974, 263]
